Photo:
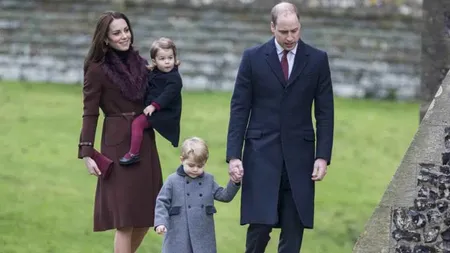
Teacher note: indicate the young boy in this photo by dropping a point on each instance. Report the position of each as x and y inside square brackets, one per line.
[185, 205]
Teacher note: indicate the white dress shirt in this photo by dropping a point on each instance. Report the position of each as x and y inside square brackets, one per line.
[290, 56]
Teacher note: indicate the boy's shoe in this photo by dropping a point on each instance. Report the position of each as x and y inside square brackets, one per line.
[129, 159]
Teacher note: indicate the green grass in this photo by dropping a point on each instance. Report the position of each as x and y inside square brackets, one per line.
[46, 195]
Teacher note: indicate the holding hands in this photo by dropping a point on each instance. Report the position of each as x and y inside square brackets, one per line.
[236, 170]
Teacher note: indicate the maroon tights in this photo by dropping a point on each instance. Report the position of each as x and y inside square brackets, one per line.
[137, 132]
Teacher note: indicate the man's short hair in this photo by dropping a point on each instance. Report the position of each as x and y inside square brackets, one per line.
[283, 7]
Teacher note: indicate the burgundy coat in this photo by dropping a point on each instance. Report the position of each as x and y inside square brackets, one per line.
[127, 198]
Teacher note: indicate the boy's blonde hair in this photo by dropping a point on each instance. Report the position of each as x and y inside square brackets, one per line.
[162, 43]
[196, 148]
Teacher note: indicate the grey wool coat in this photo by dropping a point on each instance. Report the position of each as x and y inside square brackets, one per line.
[185, 206]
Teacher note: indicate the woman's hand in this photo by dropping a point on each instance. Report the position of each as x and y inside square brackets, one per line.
[92, 167]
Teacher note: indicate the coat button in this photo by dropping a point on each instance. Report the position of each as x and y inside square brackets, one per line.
[200, 183]
[188, 194]
[189, 206]
[187, 182]
[202, 206]
[201, 195]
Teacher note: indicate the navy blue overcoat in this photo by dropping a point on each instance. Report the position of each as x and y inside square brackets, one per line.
[271, 123]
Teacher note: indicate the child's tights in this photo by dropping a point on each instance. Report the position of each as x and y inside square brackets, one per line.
[137, 132]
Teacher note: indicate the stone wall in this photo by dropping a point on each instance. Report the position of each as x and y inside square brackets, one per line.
[374, 45]
[413, 216]
[424, 227]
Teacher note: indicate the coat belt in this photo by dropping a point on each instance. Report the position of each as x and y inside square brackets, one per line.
[122, 114]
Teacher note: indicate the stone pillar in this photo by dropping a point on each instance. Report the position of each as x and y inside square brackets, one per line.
[435, 49]
[414, 215]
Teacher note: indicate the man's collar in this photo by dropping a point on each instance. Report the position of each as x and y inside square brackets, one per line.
[280, 49]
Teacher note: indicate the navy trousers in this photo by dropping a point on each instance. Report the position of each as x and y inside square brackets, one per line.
[258, 235]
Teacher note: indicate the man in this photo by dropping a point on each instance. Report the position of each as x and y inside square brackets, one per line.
[271, 105]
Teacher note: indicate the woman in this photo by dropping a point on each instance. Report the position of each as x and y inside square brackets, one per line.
[115, 81]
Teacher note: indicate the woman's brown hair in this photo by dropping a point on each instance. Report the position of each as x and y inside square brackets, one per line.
[162, 43]
[98, 46]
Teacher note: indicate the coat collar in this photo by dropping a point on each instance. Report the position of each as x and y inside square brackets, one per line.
[156, 72]
[180, 172]
[280, 49]
[300, 61]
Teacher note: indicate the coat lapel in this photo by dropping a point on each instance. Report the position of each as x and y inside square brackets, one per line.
[273, 61]
[300, 61]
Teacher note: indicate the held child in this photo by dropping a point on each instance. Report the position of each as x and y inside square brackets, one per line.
[162, 99]
[185, 205]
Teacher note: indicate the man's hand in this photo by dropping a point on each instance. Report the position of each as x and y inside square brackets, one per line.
[236, 180]
[320, 169]
[149, 110]
[236, 170]
[161, 229]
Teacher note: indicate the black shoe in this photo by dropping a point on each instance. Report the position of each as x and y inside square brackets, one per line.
[134, 158]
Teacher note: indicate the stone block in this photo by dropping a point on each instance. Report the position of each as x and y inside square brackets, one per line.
[438, 112]
[426, 146]
[401, 192]
[376, 235]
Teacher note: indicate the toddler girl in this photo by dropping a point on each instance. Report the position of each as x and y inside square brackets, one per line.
[162, 100]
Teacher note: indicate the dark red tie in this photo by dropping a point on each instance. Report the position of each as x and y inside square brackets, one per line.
[285, 64]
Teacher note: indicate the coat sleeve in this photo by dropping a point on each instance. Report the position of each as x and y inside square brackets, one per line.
[147, 98]
[171, 91]
[324, 112]
[92, 89]
[225, 194]
[240, 107]
[163, 203]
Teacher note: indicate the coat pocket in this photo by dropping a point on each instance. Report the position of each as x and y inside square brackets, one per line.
[253, 134]
[115, 129]
[309, 137]
[174, 210]
[210, 210]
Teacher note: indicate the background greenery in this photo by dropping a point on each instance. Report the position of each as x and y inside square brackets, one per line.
[46, 195]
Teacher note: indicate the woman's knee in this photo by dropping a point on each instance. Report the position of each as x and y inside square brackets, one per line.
[140, 230]
[125, 230]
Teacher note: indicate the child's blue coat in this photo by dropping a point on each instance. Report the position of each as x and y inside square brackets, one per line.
[186, 207]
